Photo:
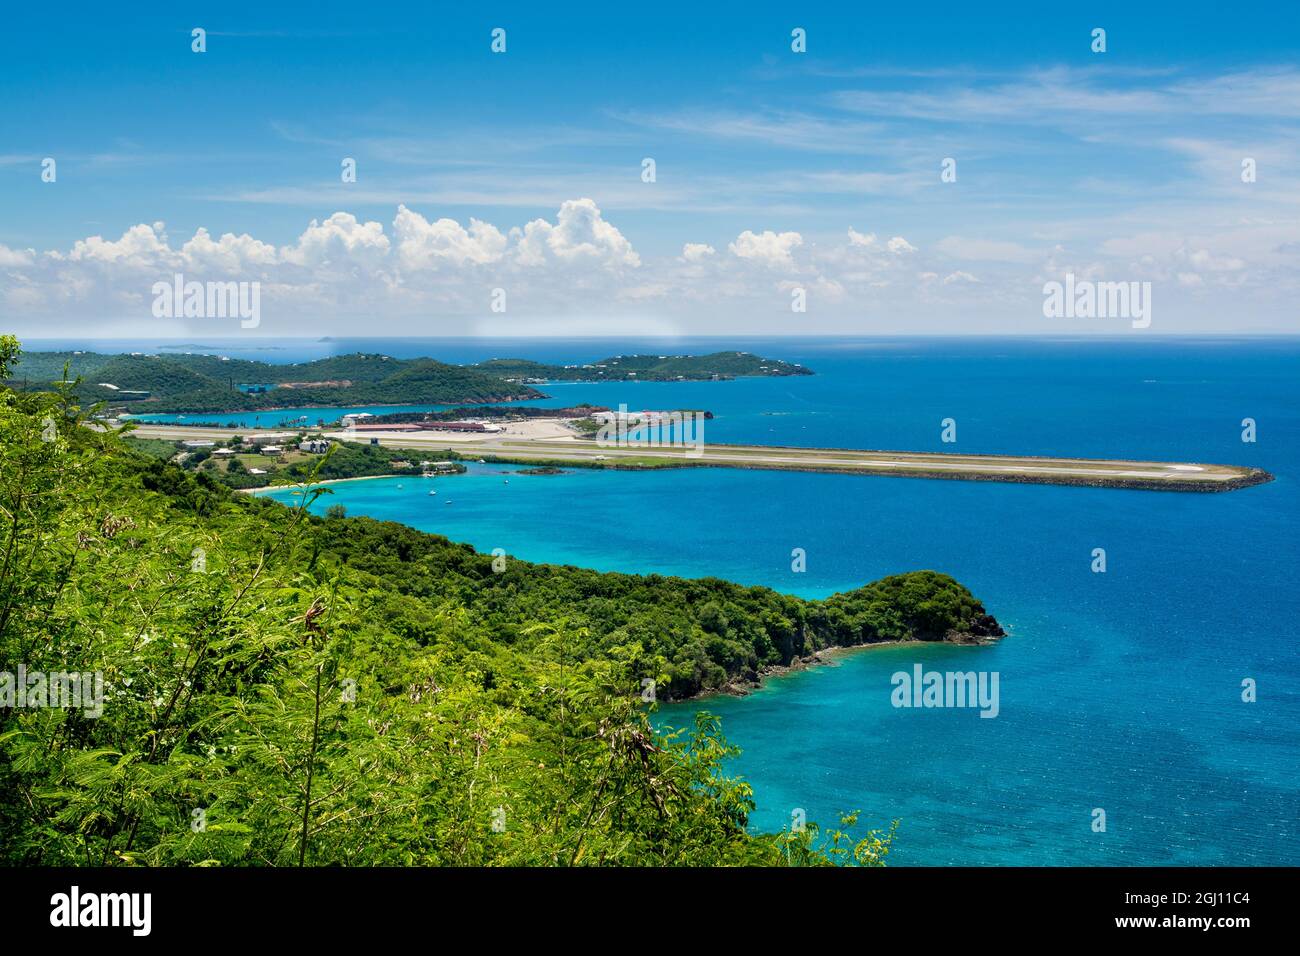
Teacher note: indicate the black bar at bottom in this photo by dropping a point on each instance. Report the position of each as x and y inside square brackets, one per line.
[333, 906]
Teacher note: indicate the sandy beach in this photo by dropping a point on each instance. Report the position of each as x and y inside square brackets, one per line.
[327, 481]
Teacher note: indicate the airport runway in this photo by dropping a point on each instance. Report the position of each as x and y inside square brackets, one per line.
[1154, 475]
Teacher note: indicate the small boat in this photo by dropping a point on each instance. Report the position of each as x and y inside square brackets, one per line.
[433, 493]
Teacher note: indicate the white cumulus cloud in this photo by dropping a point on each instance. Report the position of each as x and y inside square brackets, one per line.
[767, 247]
[580, 233]
[337, 241]
[697, 251]
[421, 244]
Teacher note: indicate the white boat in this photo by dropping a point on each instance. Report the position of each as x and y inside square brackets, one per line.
[433, 492]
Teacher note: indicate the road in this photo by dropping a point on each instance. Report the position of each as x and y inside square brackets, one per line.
[1173, 476]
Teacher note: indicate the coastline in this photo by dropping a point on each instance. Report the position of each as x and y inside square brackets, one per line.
[743, 688]
[825, 657]
[323, 481]
[739, 686]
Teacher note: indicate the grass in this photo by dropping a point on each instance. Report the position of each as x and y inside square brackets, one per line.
[153, 447]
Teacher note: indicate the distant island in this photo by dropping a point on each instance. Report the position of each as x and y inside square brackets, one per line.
[212, 383]
[198, 383]
[716, 366]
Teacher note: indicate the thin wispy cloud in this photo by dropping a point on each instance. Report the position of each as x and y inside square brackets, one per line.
[1103, 164]
[1060, 97]
[789, 130]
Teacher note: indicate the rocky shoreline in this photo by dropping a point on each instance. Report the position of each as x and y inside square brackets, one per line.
[743, 686]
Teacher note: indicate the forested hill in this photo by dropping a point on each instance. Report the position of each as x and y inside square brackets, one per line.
[209, 383]
[195, 383]
[646, 368]
[692, 635]
[341, 691]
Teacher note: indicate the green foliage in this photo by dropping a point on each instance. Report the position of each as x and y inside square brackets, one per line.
[9, 347]
[693, 634]
[343, 460]
[835, 846]
[284, 689]
[153, 447]
[353, 460]
[206, 383]
[195, 383]
[266, 703]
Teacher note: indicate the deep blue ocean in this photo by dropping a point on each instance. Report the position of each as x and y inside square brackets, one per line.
[1119, 691]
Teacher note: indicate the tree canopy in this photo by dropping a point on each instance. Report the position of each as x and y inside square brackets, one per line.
[280, 688]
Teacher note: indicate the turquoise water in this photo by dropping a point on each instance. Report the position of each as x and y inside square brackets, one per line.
[1118, 691]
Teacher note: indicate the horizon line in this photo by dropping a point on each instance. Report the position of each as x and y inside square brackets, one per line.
[660, 335]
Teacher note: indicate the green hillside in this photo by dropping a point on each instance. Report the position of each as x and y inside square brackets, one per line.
[196, 383]
[207, 383]
[343, 691]
[160, 375]
[649, 368]
[472, 384]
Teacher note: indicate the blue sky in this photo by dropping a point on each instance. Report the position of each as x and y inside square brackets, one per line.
[775, 171]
